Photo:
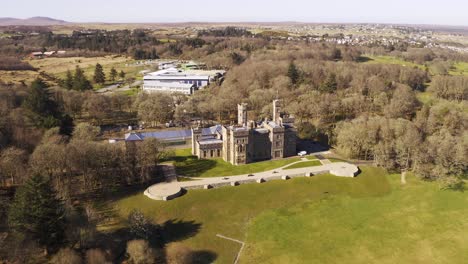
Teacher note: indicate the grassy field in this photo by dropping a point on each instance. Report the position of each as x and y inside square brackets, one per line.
[188, 165]
[416, 223]
[336, 160]
[323, 219]
[304, 164]
[18, 76]
[390, 60]
[459, 68]
[57, 67]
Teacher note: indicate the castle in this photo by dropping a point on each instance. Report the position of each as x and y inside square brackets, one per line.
[247, 141]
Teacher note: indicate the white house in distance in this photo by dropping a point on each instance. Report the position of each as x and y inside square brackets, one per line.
[177, 80]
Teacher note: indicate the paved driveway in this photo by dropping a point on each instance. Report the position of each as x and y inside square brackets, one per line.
[342, 169]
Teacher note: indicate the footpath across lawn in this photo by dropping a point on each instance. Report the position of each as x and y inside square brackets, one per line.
[201, 214]
[323, 219]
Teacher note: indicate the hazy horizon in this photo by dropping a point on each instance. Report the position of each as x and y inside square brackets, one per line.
[430, 12]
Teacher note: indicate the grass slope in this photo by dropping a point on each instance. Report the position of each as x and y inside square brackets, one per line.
[304, 164]
[323, 219]
[229, 210]
[416, 223]
[188, 165]
[391, 60]
[459, 68]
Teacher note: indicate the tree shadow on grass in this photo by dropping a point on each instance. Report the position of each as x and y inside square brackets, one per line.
[173, 230]
[192, 166]
[176, 230]
[202, 257]
[363, 59]
[458, 187]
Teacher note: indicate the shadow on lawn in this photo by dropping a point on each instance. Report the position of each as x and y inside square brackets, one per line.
[458, 187]
[363, 59]
[176, 230]
[170, 231]
[192, 165]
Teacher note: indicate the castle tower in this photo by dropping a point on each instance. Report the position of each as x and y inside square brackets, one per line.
[276, 111]
[242, 114]
[196, 135]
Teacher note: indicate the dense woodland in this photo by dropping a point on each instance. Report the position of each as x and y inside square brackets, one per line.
[51, 138]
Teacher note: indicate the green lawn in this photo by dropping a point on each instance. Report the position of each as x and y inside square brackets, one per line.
[323, 219]
[304, 164]
[188, 165]
[336, 160]
[390, 60]
[459, 68]
[425, 97]
[417, 223]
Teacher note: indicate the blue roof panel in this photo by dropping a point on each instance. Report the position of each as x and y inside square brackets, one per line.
[171, 134]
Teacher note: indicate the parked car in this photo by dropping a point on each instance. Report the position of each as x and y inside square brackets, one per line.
[302, 153]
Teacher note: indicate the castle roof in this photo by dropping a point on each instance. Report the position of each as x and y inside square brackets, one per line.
[212, 130]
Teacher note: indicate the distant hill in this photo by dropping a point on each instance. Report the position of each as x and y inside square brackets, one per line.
[32, 21]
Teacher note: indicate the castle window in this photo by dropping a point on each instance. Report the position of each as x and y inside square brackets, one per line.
[204, 154]
[211, 153]
[218, 152]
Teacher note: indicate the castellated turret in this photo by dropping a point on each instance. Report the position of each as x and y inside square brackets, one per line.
[276, 111]
[242, 114]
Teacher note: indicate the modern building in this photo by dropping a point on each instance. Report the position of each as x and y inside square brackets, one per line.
[171, 87]
[163, 80]
[247, 142]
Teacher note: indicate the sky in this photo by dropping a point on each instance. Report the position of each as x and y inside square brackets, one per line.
[440, 12]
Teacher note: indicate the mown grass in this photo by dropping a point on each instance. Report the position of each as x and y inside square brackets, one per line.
[230, 210]
[415, 223]
[194, 167]
[336, 160]
[188, 165]
[304, 164]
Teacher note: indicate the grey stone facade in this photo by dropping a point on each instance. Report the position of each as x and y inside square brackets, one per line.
[247, 141]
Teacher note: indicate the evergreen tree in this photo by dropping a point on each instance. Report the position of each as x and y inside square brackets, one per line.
[80, 83]
[68, 81]
[293, 73]
[113, 74]
[122, 75]
[38, 100]
[330, 84]
[37, 212]
[99, 76]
